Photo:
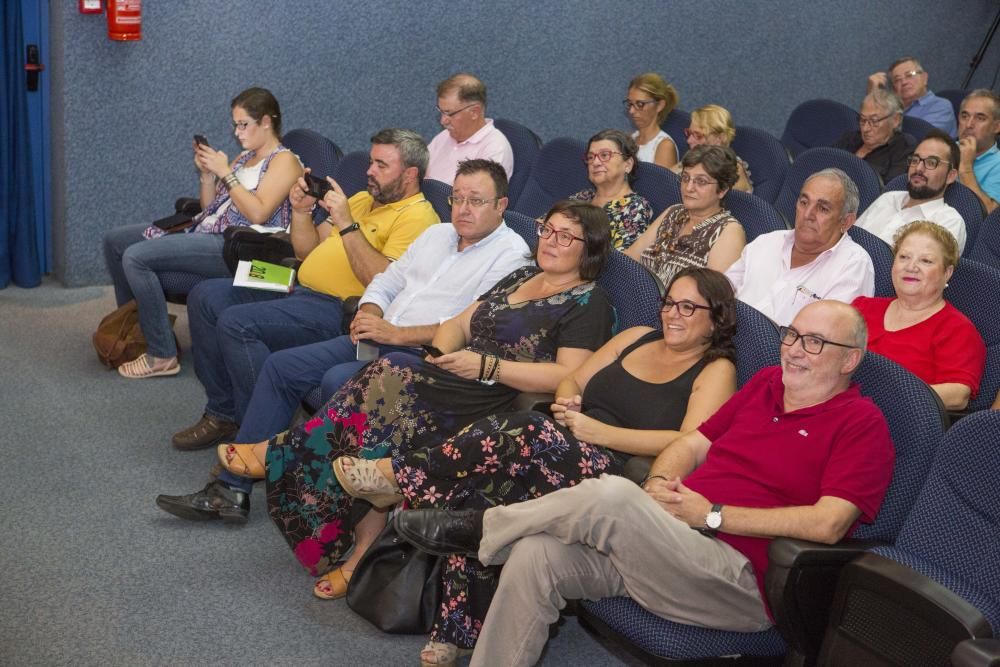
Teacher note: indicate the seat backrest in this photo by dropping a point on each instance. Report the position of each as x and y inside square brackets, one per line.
[973, 289]
[524, 225]
[755, 214]
[882, 259]
[986, 249]
[757, 343]
[437, 194]
[955, 522]
[816, 159]
[960, 198]
[817, 122]
[916, 423]
[916, 127]
[634, 291]
[674, 124]
[558, 172]
[316, 152]
[661, 187]
[767, 157]
[955, 96]
[526, 146]
[351, 172]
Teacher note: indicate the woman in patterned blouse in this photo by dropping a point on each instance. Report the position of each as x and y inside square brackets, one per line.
[699, 231]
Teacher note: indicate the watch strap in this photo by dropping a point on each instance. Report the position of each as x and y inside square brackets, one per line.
[350, 228]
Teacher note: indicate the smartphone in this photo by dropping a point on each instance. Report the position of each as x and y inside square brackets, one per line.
[201, 140]
[432, 351]
[316, 187]
[367, 351]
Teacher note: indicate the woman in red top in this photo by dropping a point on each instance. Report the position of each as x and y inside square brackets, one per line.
[918, 329]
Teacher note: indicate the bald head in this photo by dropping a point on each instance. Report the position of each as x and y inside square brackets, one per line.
[466, 88]
[820, 351]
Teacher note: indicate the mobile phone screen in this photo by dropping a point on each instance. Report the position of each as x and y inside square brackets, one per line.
[431, 350]
[201, 140]
[367, 351]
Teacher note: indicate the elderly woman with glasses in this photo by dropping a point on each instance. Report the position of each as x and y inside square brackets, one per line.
[699, 231]
[611, 160]
[649, 101]
[252, 189]
[918, 329]
[634, 396]
[878, 140]
[712, 125]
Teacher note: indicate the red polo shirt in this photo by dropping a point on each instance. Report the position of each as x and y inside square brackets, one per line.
[762, 456]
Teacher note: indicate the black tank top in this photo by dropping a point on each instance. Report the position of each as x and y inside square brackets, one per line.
[616, 397]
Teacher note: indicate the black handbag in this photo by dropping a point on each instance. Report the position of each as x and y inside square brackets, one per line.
[245, 243]
[396, 587]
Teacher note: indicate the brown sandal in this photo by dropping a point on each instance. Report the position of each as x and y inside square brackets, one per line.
[337, 582]
[364, 480]
[242, 460]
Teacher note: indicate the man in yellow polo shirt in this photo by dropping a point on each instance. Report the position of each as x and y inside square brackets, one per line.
[234, 329]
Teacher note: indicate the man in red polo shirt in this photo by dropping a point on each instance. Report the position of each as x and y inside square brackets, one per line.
[797, 452]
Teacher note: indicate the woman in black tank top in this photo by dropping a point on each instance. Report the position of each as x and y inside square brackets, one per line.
[635, 395]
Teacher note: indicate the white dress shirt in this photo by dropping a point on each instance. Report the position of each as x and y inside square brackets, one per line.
[764, 278]
[433, 281]
[886, 215]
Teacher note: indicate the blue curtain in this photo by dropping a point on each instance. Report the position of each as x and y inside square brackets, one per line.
[19, 258]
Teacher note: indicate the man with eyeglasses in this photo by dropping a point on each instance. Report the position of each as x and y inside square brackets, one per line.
[932, 168]
[909, 80]
[780, 272]
[444, 270]
[797, 452]
[467, 133]
[978, 125]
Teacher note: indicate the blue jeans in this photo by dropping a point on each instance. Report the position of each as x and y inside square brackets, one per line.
[134, 263]
[234, 329]
[287, 376]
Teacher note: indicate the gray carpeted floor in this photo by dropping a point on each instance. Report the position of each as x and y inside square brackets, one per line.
[92, 573]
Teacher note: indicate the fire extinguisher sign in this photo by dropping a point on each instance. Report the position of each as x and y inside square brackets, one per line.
[124, 20]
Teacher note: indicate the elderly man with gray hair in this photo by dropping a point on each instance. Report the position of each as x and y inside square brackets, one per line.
[878, 139]
[909, 80]
[781, 272]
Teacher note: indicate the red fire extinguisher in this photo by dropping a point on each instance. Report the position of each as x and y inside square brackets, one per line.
[124, 20]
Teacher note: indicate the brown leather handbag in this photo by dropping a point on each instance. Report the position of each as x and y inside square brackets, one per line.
[119, 338]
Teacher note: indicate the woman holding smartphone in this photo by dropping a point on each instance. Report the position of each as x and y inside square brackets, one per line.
[251, 189]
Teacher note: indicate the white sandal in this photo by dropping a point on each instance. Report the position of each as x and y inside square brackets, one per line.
[141, 367]
[441, 654]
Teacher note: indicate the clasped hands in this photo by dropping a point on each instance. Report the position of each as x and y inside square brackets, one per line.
[689, 506]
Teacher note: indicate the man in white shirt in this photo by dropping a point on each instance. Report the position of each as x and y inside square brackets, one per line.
[781, 272]
[933, 166]
[467, 133]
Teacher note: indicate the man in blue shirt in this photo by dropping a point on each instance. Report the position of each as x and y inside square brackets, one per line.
[909, 80]
[978, 125]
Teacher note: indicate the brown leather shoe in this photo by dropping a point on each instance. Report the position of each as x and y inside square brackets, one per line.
[208, 432]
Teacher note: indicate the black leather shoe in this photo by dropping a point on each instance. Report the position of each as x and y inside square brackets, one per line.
[209, 431]
[442, 532]
[215, 501]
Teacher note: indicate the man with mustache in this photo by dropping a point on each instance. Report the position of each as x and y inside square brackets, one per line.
[933, 166]
[234, 329]
[978, 125]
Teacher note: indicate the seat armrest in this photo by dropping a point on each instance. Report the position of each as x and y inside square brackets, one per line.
[977, 653]
[534, 400]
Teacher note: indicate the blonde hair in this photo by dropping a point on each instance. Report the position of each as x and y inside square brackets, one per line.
[656, 87]
[716, 120]
[944, 238]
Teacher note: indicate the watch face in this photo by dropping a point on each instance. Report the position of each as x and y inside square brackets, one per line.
[713, 520]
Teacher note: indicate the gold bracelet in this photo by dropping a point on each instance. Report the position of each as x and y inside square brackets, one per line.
[230, 180]
[496, 368]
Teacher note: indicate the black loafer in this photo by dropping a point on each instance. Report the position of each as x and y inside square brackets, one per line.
[216, 501]
[442, 532]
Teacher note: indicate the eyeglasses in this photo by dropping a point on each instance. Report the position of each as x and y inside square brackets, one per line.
[685, 308]
[693, 134]
[699, 181]
[565, 239]
[242, 124]
[810, 343]
[449, 114]
[474, 202]
[603, 156]
[871, 122]
[932, 162]
[638, 104]
[907, 75]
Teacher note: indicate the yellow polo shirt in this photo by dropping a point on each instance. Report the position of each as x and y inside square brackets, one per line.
[390, 229]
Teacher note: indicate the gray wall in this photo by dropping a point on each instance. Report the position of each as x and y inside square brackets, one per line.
[124, 113]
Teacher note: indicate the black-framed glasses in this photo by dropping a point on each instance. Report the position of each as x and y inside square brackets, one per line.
[684, 307]
[474, 202]
[810, 343]
[638, 104]
[603, 156]
[449, 114]
[871, 122]
[931, 162]
[699, 181]
[563, 238]
[242, 124]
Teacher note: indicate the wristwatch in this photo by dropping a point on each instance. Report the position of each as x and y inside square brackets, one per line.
[713, 520]
[350, 228]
